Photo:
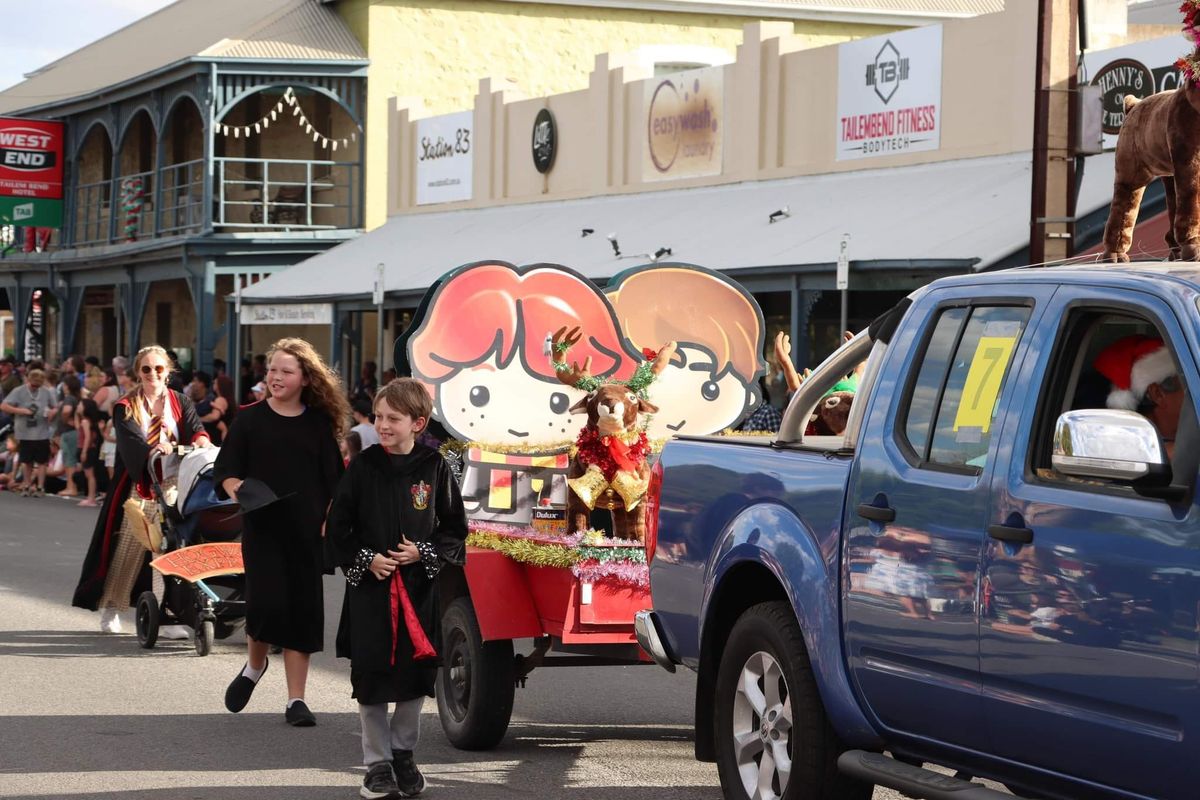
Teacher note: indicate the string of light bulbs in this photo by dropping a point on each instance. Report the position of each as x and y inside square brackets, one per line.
[289, 99]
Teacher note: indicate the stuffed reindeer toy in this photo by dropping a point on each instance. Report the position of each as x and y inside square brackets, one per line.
[1160, 138]
[608, 466]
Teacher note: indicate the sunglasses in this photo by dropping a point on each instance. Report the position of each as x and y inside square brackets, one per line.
[159, 368]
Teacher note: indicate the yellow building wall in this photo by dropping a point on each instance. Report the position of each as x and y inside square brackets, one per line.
[439, 54]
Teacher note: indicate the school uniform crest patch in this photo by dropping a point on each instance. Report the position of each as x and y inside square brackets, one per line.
[420, 496]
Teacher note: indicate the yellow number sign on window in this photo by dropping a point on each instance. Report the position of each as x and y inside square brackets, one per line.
[979, 393]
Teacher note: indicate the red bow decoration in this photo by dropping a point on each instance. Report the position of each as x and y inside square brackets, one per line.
[610, 453]
[649, 354]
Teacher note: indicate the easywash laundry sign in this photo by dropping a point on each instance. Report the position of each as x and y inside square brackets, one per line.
[31, 172]
[890, 94]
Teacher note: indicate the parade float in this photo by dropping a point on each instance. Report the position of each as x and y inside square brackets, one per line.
[557, 398]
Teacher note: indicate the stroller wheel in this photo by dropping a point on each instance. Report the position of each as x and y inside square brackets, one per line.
[205, 633]
[147, 619]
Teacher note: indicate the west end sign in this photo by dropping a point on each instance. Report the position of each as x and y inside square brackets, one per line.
[31, 172]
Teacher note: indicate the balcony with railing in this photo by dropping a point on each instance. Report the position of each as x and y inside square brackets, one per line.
[134, 187]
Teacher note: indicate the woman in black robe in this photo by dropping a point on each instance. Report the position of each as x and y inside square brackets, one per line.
[289, 442]
[106, 573]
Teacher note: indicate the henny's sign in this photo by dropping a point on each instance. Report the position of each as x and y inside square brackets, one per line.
[31, 172]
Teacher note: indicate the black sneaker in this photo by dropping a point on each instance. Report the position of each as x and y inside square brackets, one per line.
[380, 784]
[240, 689]
[408, 777]
[298, 715]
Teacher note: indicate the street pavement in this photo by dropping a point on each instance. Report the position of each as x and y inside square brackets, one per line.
[88, 715]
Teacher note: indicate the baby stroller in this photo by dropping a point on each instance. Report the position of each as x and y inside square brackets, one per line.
[200, 562]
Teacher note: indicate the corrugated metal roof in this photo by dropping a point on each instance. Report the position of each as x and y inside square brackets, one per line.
[306, 31]
[187, 29]
[886, 11]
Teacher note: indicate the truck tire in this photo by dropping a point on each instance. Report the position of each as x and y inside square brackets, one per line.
[772, 737]
[476, 682]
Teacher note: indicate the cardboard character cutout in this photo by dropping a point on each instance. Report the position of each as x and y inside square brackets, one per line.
[712, 382]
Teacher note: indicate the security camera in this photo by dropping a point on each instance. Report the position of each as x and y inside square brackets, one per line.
[588, 232]
[782, 213]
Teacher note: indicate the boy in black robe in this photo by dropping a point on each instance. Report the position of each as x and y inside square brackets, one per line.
[397, 518]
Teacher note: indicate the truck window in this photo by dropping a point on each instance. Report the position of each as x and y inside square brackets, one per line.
[1073, 382]
[953, 399]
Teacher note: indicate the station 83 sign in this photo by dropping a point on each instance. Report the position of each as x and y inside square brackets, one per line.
[890, 94]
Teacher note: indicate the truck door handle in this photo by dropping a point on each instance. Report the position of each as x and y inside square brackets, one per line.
[876, 513]
[1011, 534]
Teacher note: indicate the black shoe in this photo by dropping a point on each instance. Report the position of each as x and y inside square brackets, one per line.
[298, 715]
[240, 689]
[380, 784]
[408, 778]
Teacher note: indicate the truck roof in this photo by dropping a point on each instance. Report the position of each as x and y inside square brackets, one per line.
[1176, 277]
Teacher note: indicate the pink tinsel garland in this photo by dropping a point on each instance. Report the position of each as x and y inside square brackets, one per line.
[623, 572]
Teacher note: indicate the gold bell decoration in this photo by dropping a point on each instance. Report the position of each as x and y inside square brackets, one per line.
[591, 486]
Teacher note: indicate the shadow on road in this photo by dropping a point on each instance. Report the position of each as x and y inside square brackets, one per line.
[84, 644]
[254, 755]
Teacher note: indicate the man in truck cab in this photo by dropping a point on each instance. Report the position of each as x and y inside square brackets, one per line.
[1144, 379]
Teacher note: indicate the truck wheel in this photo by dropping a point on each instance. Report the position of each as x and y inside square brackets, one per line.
[772, 737]
[475, 684]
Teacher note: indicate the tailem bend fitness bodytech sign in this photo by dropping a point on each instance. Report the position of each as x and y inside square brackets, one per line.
[890, 94]
[31, 172]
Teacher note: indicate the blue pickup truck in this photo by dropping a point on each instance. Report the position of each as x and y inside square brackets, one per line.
[989, 570]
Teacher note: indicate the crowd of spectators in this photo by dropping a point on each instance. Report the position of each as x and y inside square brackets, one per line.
[55, 432]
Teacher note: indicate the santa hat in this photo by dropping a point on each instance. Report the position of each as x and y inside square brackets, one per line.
[1132, 364]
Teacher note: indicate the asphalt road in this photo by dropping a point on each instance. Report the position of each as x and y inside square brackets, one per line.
[88, 715]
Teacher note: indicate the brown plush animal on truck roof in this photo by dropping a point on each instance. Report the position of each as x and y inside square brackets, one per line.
[1160, 138]
[608, 466]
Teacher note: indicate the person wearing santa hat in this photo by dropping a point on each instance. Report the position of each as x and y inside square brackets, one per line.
[1144, 379]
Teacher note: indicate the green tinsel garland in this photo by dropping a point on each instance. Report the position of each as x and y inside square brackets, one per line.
[525, 551]
[552, 555]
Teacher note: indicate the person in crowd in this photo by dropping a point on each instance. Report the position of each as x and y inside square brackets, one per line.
[223, 404]
[248, 382]
[89, 422]
[10, 378]
[351, 447]
[108, 449]
[108, 393]
[72, 365]
[200, 389]
[392, 563]
[259, 370]
[120, 365]
[389, 375]
[68, 435]
[219, 368]
[151, 418]
[364, 422]
[290, 444]
[33, 408]
[9, 459]
[367, 384]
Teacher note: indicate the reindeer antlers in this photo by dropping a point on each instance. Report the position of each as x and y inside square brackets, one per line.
[563, 340]
[663, 358]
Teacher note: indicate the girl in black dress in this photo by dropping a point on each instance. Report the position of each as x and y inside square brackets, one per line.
[289, 442]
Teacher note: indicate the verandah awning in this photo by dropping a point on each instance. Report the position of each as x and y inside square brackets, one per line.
[971, 211]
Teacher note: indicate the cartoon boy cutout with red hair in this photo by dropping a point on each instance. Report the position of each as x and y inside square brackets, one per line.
[481, 347]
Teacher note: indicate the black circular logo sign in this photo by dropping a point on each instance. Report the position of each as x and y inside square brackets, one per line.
[1117, 79]
[545, 140]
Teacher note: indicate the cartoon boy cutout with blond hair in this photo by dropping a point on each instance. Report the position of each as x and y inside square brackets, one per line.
[712, 383]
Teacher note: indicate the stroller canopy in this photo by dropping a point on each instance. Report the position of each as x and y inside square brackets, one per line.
[195, 467]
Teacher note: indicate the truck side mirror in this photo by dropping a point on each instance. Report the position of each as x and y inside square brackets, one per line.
[1109, 443]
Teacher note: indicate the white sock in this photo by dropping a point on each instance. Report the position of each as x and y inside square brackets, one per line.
[252, 673]
[294, 700]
